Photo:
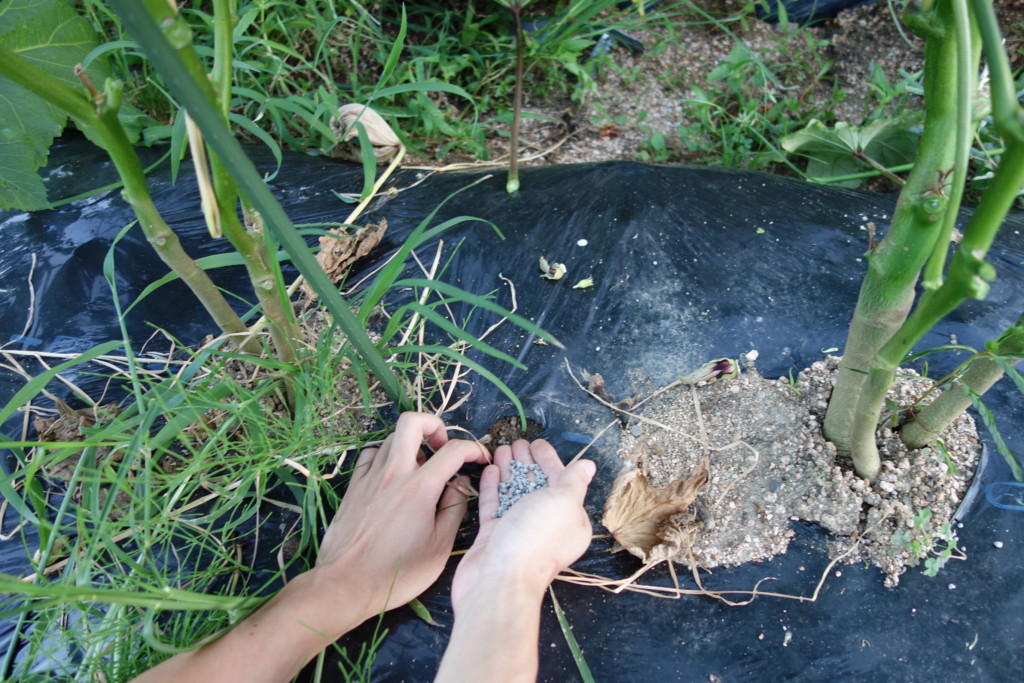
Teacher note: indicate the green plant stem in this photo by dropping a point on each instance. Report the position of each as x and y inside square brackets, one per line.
[985, 371]
[862, 174]
[517, 104]
[250, 244]
[224, 18]
[887, 292]
[879, 167]
[149, 22]
[969, 276]
[105, 130]
[1006, 111]
[968, 52]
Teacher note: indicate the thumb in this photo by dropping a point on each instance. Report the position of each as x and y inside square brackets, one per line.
[451, 509]
[576, 478]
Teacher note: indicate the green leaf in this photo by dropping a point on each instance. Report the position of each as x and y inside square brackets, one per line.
[426, 86]
[417, 606]
[989, 421]
[834, 151]
[52, 37]
[570, 640]
[396, 50]
[36, 384]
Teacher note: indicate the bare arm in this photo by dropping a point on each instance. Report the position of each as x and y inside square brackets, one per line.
[500, 583]
[387, 544]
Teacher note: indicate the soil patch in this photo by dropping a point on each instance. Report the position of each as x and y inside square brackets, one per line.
[642, 94]
[768, 466]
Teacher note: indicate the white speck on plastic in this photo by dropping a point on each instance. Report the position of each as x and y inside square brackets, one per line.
[998, 544]
[582, 243]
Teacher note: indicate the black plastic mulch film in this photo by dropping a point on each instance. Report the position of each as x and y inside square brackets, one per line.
[689, 264]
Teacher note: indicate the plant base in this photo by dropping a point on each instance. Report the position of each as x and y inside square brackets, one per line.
[769, 466]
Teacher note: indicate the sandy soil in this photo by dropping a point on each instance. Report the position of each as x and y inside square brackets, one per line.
[768, 466]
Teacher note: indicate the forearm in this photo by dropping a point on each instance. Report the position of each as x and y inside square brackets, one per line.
[495, 636]
[275, 641]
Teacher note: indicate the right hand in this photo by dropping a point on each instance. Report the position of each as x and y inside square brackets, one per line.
[539, 536]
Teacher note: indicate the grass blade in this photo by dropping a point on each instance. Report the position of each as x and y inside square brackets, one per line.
[570, 640]
[481, 302]
[425, 86]
[37, 383]
[459, 358]
[990, 423]
[1011, 372]
[193, 96]
[456, 332]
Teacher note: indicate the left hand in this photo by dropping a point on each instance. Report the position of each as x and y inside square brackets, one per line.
[397, 522]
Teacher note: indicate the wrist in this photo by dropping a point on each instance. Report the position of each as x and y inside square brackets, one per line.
[329, 605]
[513, 587]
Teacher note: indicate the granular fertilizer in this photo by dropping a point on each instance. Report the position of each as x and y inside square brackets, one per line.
[519, 485]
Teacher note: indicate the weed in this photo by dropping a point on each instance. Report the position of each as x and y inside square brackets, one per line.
[752, 99]
[935, 547]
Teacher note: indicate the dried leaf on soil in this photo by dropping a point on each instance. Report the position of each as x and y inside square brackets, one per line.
[340, 249]
[643, 518]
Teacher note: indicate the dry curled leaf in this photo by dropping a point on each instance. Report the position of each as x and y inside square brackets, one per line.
[339, 249]
[646, 520]
[385, 142]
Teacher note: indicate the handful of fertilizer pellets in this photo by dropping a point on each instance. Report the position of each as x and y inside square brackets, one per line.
[519, 484]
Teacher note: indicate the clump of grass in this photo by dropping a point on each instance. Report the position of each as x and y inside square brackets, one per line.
[295, 62]
[750, 100]
[148, 529]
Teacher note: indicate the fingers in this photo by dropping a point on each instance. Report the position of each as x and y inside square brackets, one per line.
[545, 455]
[366, 458]
[410, 432]
[502, 458]
[489, 492]
[576, 478]
[522, 451]
[448, 459]
[451, 509]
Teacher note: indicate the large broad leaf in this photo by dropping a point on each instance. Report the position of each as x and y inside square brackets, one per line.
[50, 35]
[833, 152]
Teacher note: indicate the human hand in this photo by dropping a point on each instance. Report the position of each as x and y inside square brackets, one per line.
[541, 534]
[396, 525]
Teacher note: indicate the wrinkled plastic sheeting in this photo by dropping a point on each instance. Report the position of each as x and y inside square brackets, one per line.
[693, 264]
[803, 12]
[688, 264]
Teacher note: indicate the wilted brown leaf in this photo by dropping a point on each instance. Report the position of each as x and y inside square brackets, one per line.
[640, 517]
[340, 249]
